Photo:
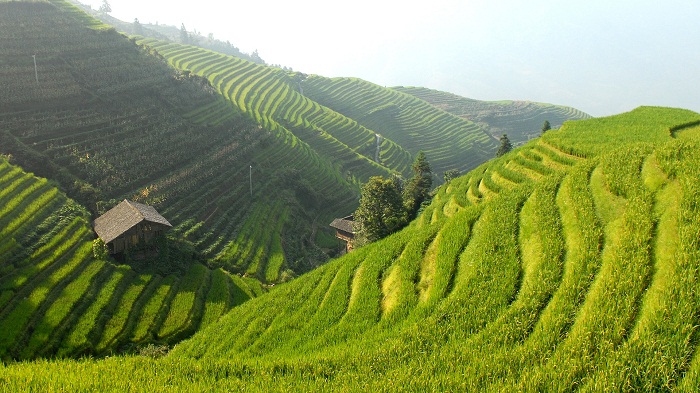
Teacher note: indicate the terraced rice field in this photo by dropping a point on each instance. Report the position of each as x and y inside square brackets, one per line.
[448, 141]
[108, 120]
[520, 120]
[271, 97]
[567, 270]
[543, 270]
[57, 299]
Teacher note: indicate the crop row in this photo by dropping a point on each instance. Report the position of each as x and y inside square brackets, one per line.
[572, 256]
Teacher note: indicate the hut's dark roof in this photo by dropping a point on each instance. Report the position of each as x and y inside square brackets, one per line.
[346, 224]
[125, 216]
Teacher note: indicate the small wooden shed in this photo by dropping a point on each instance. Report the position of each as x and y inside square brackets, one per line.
[345, 230]
[128, 224]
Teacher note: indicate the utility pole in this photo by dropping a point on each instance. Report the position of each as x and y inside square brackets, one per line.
[251, 181]
[36, 73]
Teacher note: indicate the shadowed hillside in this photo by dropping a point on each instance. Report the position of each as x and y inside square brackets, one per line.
[57, 299]
[109, 121]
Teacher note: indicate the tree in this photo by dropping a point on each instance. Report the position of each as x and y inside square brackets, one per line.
[505, 147]
[138, 28]
[418, 188]
[184, 35]
[255, 57]
[546, 127]
[105, 8]
[450, 174]
[381, 211]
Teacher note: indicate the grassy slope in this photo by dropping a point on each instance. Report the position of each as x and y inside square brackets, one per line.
[57, 299]
[269, 96]
[449, 141]
[542, 270]
[108, 121]
[520, 120]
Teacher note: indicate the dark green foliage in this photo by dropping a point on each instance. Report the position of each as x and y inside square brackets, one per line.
[505, 146]
[417, 189]
[105, 8]
[546, 126]
[184, 35]
[381, 210]
[450, 174]
[164, 255]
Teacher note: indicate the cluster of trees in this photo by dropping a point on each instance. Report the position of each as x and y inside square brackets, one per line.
[105, 8]
[387, 205]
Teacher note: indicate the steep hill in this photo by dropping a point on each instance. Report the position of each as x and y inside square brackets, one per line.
[57, 299]
[520, 120]
[569, 263]
[449, 142]
[109, 121]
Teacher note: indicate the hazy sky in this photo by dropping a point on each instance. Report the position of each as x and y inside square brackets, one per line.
[600, 56]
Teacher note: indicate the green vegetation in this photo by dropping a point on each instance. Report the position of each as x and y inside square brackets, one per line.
[537, 271]
[415, 125]
[521, 120]
[110, 120]
[58, 300]
[568, 263]
[505, 146]
[381, 211]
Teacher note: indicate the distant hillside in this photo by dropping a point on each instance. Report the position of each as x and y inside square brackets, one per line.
[520, 120]
[449, 141]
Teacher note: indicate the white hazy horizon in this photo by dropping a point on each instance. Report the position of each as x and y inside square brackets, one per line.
[600, 56]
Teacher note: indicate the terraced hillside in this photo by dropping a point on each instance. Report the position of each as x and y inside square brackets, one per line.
[272, 98]
[570, 263]
[350, 119]
[57, 299]
[109, 121]
[449, 142]
[520, 120]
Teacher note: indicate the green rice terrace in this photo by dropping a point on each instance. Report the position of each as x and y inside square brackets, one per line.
[56, 299]
[520, 120]
[571, 263]
[108, 120]
[353, 120]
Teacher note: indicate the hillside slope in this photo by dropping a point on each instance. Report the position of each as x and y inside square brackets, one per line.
[449, 142]
[520, 120]
[109, 121]
[57, 299]
[569, 263]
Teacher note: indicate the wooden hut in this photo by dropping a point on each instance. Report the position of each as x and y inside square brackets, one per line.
[128, 224]
[345, 230]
